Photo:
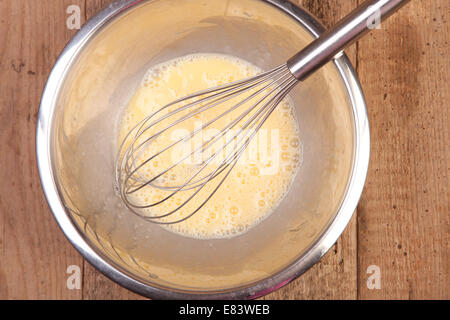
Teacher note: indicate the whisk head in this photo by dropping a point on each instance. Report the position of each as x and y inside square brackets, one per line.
[185, 150]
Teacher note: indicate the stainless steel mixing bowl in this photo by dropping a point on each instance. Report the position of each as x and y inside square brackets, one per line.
[92, 82]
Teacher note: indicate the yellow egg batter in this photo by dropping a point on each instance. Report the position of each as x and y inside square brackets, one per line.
[259, 180]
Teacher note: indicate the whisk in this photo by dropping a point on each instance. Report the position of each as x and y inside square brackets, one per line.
[258, 96]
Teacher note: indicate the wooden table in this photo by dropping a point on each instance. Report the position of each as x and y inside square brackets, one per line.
[402, 221]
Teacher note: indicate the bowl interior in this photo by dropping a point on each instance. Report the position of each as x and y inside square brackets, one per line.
[97, 87]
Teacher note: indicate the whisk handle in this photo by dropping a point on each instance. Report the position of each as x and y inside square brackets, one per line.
[360, 21]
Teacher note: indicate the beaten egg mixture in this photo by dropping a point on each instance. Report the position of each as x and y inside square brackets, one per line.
[258, 181]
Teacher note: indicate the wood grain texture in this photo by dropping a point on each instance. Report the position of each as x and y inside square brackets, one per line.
[402, 221]
[34, 254]
[403, 216]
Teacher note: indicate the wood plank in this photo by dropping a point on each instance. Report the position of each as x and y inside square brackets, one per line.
[334, 277]
[403, 215]
[34, 254]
